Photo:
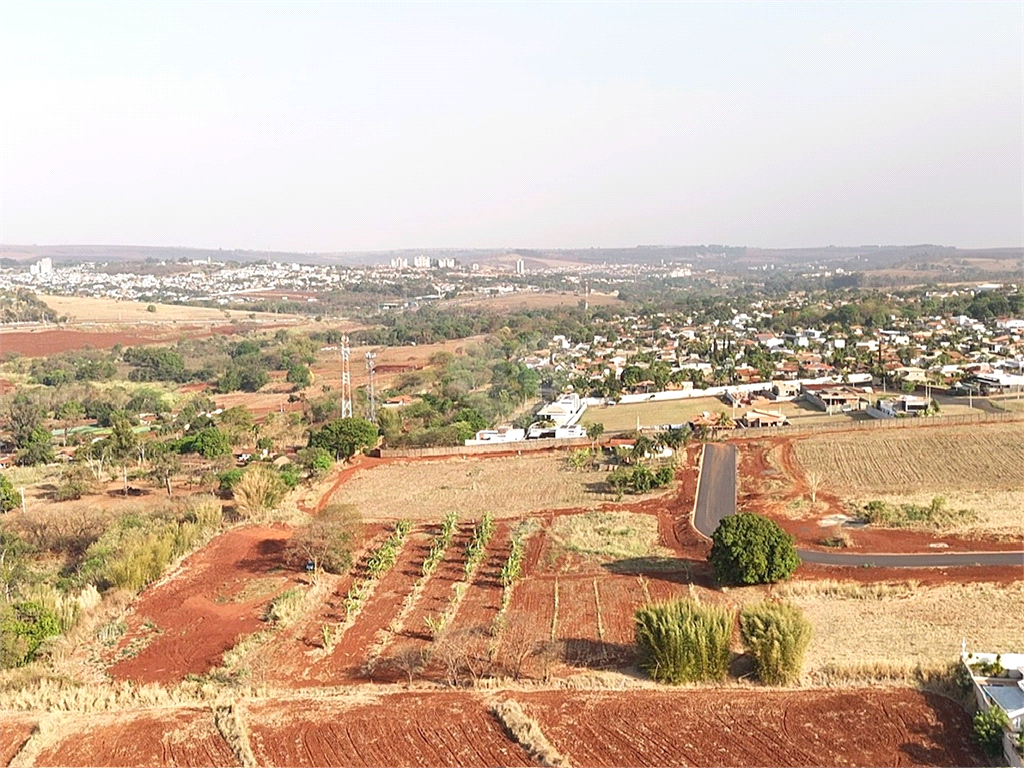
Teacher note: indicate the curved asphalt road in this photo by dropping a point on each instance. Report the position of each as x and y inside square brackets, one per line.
[716, 498]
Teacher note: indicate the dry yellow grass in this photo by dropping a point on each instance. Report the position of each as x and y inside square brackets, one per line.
[909, 625]
[977, 467]
[81, 309]
[624, 416]
[506, 487]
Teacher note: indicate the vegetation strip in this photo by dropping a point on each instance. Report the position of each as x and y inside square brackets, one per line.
[528, 735]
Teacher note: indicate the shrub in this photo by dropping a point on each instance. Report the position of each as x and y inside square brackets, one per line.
[751, 549]
[75, 482]
[284, 609]
[777, 635]
[684, 642]
[229, 479]
[9, 498]
[23, 627]
[290, 475]
[259, 491]
[328, 539]
[988, 730]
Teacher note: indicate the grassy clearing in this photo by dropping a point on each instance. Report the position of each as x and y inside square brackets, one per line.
[612, 535]
[87, 309]
[974, 467]
[902, 626]
[507, 487]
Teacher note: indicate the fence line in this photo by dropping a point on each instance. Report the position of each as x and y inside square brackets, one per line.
[898, 423]
[520, 446]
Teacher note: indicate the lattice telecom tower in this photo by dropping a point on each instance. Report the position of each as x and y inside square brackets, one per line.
[370, 365]
[346, 381]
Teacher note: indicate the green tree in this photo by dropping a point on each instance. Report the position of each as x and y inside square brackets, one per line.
[164, 464]
[300, 376]
[37, 447]
[208, 443]
[594, 432]
[122, 445]
[343, 437]
[751, 549]
[9, 498]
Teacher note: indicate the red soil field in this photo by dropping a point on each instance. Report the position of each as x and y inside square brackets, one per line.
[438, 729]
[483, 597]
[289, 653]
[755, 727]
[345, 663]
[14, 732]
[42, 343]
[202, 610]
[438, 589]
[180, 737]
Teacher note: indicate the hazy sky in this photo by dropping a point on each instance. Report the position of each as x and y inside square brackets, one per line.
[334, 126]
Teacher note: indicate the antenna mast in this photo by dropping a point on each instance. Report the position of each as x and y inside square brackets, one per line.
[370, 365]
[346, 381]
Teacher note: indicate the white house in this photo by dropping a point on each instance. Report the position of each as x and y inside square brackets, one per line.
[998, 680]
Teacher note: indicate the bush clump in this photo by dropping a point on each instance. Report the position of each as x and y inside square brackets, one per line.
[258, 491]
[777, 635]
[751, 549]
[683, 641]
[988, 730]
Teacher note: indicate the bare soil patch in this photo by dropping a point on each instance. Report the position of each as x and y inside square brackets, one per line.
[180, 737]
[769, 728]
[191, 618]
[437, 729]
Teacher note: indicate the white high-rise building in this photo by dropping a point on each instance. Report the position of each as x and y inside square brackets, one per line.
[421, 262]
[520, 267]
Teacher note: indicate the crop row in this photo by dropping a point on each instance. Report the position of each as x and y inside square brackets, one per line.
[477, 547]
[380, 561]
[444, 539]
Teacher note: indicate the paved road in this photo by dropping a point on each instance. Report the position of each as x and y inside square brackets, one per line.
[716, 498]
[716, 493]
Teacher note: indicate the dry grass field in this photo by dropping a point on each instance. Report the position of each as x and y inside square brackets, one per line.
[80, 309]
[976, 467]
[624, 416]
[507, 487]
[905, 625]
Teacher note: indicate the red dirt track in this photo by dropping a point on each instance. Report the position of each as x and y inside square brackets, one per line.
[754, 727]
[202, 611]
[439, 729]
[182, 737]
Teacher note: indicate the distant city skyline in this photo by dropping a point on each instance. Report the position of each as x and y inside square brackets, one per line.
[333, 127]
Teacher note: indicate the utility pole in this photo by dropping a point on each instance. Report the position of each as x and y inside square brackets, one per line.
[346, 381]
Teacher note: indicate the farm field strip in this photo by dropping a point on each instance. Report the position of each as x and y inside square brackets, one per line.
[279, 658]
[737, 728]
[346, 660]
[437, 591]
[939, 459]
[975, 467]
[183, 737]
[439, 729]
[483, 595]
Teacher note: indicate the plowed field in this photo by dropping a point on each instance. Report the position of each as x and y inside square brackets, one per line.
[182, 737]
[768, 728]
[440, 729]
[14, 732]
[184, 625]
